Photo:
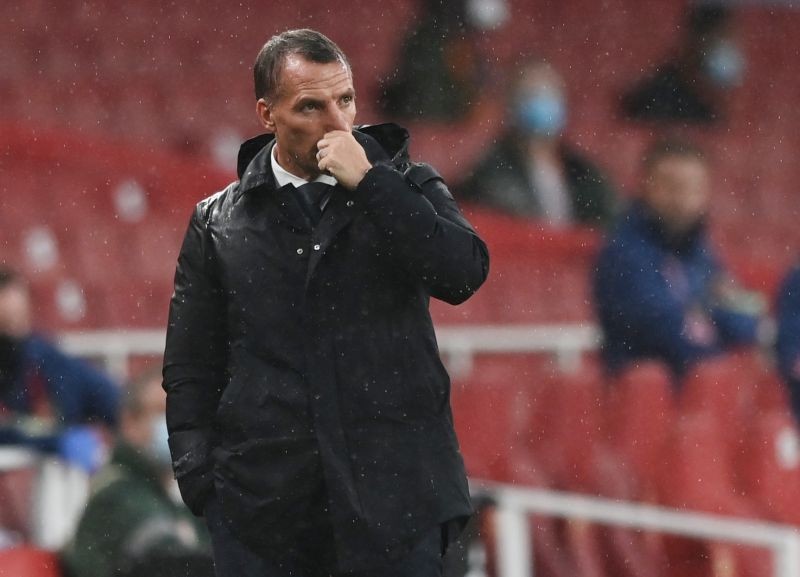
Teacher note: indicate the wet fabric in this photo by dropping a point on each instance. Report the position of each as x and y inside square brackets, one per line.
[300, 355]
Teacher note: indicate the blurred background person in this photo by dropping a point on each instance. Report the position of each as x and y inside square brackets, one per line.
[531, 170]
[660, 290]
[134, 523]
[48, 400]
[442, 72]
[787, 345]
[693, 86]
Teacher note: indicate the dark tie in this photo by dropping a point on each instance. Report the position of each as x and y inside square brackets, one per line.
[311, 196]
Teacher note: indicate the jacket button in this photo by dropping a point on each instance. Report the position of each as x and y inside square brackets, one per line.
[350, 203]
[299, 251]
[316, 247]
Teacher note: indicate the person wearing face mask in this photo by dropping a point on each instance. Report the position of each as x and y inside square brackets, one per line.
[692, 87]
[660, 290]
[134, 514]
[49, 400]
[530, 171]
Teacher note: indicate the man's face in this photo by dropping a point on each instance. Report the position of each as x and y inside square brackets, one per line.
[137, 427]
[312, 99]
[15, 310]
[677, 190]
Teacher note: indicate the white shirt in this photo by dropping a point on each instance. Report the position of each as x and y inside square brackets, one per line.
[553, 193]
[284, 177]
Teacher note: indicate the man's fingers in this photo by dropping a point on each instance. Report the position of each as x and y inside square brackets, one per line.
[323, 164]
[336, 134]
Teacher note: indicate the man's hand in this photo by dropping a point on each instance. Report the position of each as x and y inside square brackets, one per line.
[341, 156]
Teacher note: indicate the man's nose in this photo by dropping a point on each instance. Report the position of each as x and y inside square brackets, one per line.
[336, 119]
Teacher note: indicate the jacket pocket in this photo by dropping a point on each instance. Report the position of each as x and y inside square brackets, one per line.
[192, 465]
[267, 483]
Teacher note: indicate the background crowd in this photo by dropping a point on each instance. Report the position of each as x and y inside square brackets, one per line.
[630, 164]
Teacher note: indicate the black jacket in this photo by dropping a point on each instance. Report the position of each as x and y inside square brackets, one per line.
[295, 354]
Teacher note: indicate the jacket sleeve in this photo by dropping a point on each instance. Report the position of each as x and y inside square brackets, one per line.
[195, 361]
[429, 235]
[85, 393]
[787, 345]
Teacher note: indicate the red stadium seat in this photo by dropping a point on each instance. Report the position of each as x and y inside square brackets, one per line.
[490, 406]
[641, 411]
[567, 432]
[769, 466]
[28, 562]
[724, 387]
[697, 473]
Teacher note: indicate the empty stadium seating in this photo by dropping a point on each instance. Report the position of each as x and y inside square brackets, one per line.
[641, 412]
[768, 465]
[28, 562]
[100, 174]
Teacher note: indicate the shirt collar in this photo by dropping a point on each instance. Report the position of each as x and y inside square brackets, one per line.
[284, 177]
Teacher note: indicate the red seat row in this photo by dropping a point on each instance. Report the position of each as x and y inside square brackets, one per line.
[28, 562]
[724, 443]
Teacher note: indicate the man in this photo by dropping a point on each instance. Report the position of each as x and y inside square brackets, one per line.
[531, 171]
[131, 517]
[440, 74]
[307, 406]
[47, 398]
[660, 291]
[695, 85]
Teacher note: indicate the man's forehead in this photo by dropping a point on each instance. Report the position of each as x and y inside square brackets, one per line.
[300, 75]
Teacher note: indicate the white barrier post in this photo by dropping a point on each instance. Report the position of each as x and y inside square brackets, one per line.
[787, 557]
[513, 542]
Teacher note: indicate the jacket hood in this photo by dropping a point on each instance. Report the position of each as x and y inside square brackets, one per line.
[387, 142]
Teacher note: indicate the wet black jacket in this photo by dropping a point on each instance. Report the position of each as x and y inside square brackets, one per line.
[296, 355]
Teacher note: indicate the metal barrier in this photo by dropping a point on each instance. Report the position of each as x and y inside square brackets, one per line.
[514, 504]
[57, 497]
[458, 344]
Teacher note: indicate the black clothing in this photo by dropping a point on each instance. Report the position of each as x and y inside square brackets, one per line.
[666, 96]
[439, 73]
[299, 357]
[233, 559]
[311, 196]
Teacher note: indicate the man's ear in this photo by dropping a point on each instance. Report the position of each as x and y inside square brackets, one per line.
[264, 113]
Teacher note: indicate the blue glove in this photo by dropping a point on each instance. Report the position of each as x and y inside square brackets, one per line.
[82, 447]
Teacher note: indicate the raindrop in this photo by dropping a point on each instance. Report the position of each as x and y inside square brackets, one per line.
[70, 301]
[130, 200]
[41, 248]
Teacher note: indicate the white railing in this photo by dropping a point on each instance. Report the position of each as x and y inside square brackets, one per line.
[57, 496]
[514, 504]
[458, 344]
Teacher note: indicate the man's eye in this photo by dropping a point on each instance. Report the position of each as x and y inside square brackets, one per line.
[347, 99]
[309, 106]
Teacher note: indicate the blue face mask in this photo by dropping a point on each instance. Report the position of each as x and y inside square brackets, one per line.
[543, 113]
[724, 64]
[159, 446]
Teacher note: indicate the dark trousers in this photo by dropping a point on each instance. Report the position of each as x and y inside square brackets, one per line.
[234, 559]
